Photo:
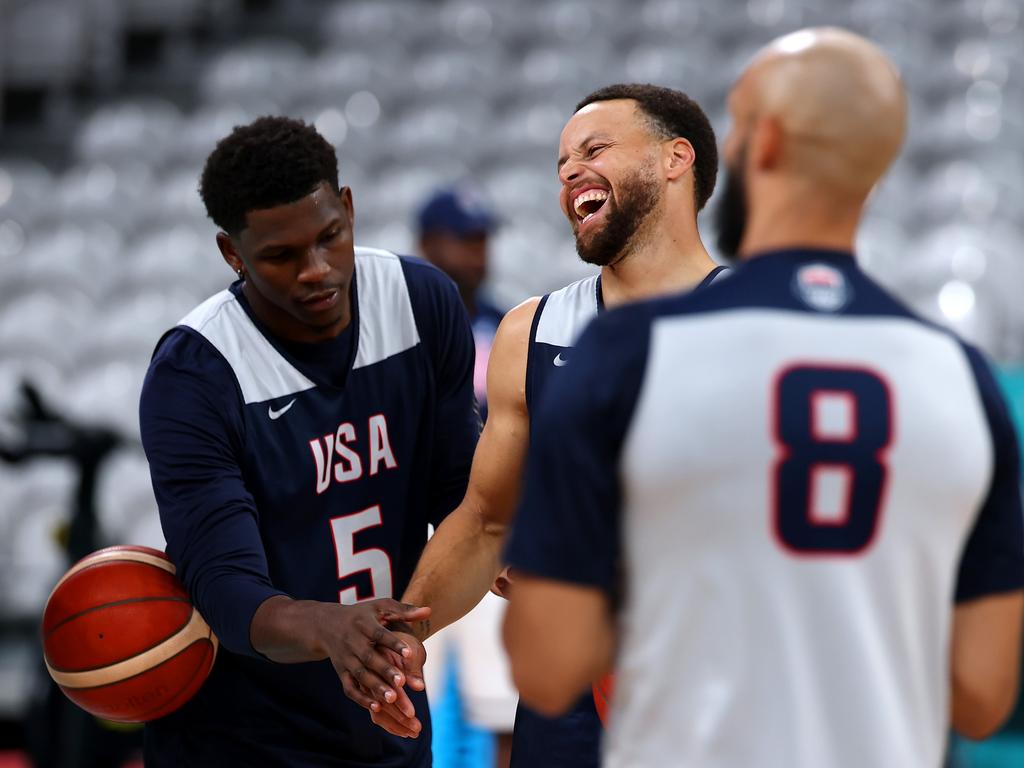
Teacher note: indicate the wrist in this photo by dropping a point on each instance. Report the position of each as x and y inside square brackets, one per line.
[288, 630]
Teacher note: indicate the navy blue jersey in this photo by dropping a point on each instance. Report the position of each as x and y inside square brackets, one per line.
[574, 739]
[783, 483]
[310, 470]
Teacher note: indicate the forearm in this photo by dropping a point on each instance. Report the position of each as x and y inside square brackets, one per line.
[290, 631]
[457, 568]
[578, 647]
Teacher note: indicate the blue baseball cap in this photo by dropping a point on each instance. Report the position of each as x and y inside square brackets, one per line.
[461, 209]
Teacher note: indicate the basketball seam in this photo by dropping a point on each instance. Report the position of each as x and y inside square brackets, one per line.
[152, 557]
[142, 717]
[126, 601]
[211, 651]
[195, 625]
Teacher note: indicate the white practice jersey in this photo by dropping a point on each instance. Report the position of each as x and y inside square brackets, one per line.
[784, 483]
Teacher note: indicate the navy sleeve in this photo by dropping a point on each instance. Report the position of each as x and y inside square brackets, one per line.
[192, 431]
[993, 560]
[567, 527]
[445, 328]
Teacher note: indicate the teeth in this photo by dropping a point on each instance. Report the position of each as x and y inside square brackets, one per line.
[586, 197]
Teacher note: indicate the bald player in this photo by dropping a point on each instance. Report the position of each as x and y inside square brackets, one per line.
[636, 163]
[785, 508]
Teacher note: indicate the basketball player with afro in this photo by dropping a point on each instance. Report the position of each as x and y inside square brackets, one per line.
[303, 427]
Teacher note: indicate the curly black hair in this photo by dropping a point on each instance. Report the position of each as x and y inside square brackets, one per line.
[269, 162]
[671, 114]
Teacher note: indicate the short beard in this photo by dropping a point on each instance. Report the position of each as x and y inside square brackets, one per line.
[731, 212]
[639, 196]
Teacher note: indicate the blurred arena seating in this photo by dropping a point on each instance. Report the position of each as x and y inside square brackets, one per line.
[109, 107]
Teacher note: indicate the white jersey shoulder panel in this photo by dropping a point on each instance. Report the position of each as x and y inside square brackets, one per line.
[387, 325]
[262, 373]
[567, 312]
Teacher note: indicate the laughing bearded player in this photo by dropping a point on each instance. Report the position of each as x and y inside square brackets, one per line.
[636, 163]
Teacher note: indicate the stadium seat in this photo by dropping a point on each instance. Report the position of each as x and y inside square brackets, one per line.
[43, 43]
[124, 498]
[246, 72]
[129, 130]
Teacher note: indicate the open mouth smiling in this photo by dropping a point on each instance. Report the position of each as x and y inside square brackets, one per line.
[588, 202]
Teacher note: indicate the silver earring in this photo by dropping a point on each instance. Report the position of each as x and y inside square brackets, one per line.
[241, 274]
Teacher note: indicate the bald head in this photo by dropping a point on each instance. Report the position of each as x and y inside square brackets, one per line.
[838, 102]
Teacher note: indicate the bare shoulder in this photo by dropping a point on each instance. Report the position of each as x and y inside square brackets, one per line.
[516, 324]
[506, 367]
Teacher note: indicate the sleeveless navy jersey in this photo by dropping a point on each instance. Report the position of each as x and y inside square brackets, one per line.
[281, 469]
[574, 739]
[798, 478]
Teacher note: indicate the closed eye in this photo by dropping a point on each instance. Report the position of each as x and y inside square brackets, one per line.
[595, 149]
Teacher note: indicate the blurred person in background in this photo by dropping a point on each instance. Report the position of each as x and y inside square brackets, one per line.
[455, 224]
[303, 428]
[785, 509]
[636, 164]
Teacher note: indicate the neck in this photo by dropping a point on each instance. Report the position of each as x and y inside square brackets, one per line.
[662, 263]
[794, 217]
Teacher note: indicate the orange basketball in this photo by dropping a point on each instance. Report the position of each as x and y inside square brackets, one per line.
[603, 689]
[121, 638]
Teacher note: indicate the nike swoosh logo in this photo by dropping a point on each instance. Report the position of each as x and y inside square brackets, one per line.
[279, 413]
[560, 361]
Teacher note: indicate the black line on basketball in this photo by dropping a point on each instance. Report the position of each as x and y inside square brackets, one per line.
[74, 616]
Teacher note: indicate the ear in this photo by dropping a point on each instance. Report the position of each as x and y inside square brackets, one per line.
[345, 196]
[766, 144]
[679, 158]
[229, 252]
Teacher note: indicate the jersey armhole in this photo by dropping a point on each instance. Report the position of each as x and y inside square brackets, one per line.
[529, 351]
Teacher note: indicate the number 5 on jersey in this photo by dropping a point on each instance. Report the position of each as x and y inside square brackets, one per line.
[833, 426]
[350, 561]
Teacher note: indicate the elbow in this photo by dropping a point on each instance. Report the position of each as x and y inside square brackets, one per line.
[981, 710]
[541, 677]
[545, 694]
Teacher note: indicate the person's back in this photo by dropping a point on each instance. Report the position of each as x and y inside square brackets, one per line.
[802, 555]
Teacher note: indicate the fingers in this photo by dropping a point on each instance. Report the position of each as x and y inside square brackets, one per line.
[397, 724]
[503, 583]
[387, 717]
[382, 636]
[500, 587]
[402, 704]
[413, 668]
[392, 610]
[377, 660]
[357, 694]
[398, 718]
